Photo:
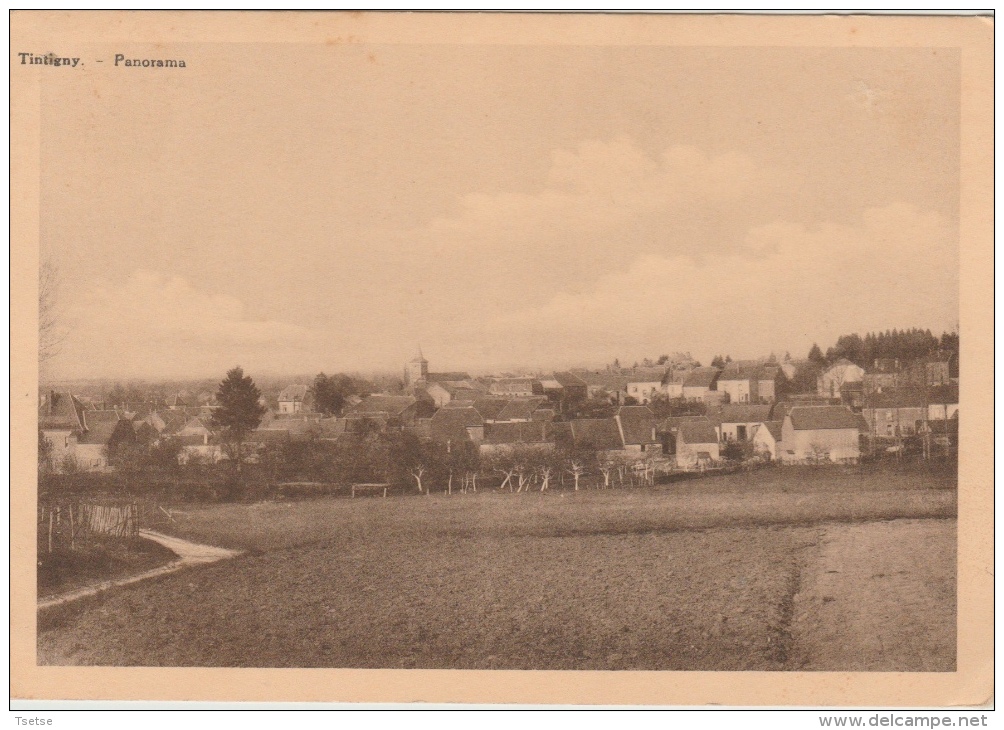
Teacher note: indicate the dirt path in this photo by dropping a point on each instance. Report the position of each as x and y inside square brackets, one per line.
[189, 553]
[877, 596]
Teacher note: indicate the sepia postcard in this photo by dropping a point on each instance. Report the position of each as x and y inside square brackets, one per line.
[562, 359]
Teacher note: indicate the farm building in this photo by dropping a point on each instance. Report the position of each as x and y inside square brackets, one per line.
[820, 433]
[696, 444]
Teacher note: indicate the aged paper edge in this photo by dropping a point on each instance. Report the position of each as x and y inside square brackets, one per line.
[971, 684]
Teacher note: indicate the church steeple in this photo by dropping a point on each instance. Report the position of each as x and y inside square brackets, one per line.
[417, 369]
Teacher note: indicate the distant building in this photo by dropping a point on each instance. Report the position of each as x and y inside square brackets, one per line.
[416, 370]
[843, 371]
[637, 425]
[292, 399]
[738, 421]
[696, 444]
[699, 382]
[820, 433]
[515, 387]
[767, 438]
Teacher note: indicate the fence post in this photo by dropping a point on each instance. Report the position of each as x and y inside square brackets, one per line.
[50, 529]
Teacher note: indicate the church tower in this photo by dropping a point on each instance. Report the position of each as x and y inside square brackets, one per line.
[417, 369]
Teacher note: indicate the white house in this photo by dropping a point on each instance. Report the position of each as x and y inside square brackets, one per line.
[292, 398]
[820, 433]
[767, 438]
[840, 373]
[696, 444]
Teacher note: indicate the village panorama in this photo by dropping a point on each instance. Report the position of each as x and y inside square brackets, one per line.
[783, 513]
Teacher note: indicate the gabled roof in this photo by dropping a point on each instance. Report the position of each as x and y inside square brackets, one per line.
[61, 411]
[196, 424]
[820, 418]
[450, 424]
[899, 398]
[701, 378]
[740, 413]
[598, 433]
[550, 384]
[610, 381]
[842, 362]
[330, 428]
[489, 408]
[520, 408]
[672, 423]
[736, 371]
[697, 432]
[646, 374]
[511, 385]
[102, 431]
[388, 405]
[773, 428]
[441, 377]
[527, 432]
[569, 380]
[293, 393]
[637, 424]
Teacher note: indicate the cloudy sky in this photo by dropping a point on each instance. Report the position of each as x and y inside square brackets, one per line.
[305, 208]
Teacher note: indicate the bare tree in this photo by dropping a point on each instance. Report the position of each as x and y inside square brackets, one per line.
[50, 331]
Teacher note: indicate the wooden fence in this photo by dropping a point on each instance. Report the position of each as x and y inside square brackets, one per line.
[64, 525]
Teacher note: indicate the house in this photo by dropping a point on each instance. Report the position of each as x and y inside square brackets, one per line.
[81, 438]
[668, 428]
[699, 382]
[767, 438]
[599, 434]
[769, 378]
[943, 402]
[571, 390]
[696, 444]
[603, 384]
[672, 383]
[182, 399]
[738, 421]
[488, 407]
[292, 399]
[934, 370]
[884, 373]
[740, 382]
[457, 425]
[103, 432]
[832, 378]
[392, 410]
[520, 409]
[820, 433]
[897, 412]
[515, 387]
[500, 436]
[637, 426]
[446, 391]
[643, 391]
[61, 421]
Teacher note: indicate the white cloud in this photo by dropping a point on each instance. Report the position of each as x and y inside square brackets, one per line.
[784, 287]
[152, 323]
